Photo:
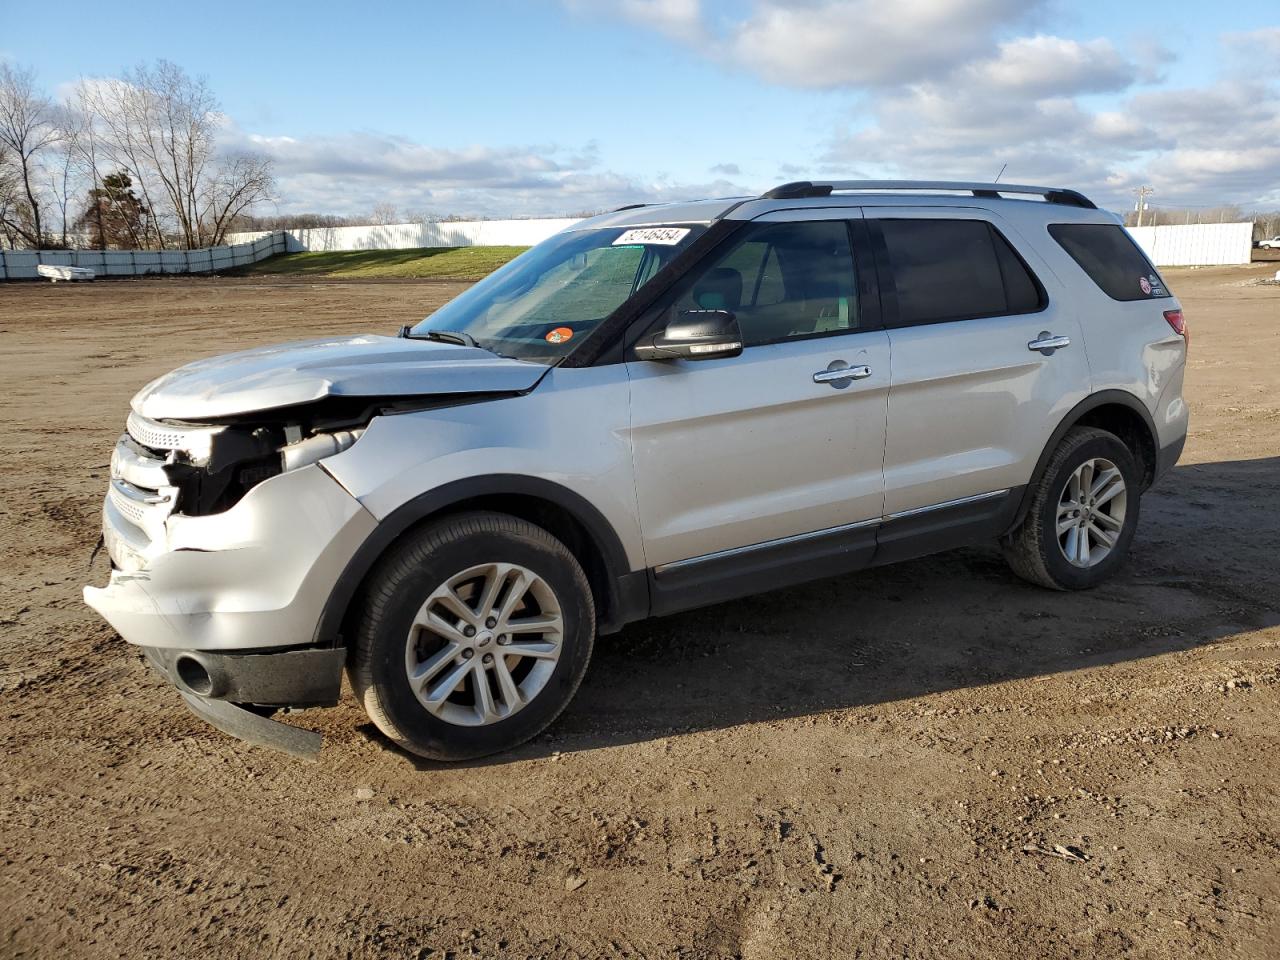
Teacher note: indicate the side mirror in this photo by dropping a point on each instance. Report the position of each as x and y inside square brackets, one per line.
[694, 335]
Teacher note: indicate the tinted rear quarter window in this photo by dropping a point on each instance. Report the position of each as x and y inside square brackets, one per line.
[956, 270]
[1112, 260]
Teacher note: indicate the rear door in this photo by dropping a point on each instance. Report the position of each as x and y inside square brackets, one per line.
[987, 358]
[738, 461]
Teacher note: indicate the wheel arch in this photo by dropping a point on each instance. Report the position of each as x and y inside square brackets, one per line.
[621, 595]
[1116, 411]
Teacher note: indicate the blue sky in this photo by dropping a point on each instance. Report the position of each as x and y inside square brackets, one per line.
[556, 106]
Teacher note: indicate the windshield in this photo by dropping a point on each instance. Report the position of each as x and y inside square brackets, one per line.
[546, 301]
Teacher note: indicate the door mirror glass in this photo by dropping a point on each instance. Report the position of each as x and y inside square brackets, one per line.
[694, 335]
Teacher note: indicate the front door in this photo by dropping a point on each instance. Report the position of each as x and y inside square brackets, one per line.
[772, 457]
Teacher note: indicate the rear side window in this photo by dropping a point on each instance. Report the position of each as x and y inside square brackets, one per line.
[1111, 259]
[956, 270]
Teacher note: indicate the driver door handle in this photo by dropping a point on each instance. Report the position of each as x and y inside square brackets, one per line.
[836, 374]
[1046, 343]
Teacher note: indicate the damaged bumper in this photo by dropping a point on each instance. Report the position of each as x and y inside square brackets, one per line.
[225, 605]
[216, 687]
[255, 576]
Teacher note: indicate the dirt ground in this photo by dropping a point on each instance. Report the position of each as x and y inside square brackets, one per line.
[890, 764]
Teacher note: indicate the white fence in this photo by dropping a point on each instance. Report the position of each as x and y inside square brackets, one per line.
[21, 264]
[404, 236]
[1193, 244]
[1196, 244]
[1167, 246]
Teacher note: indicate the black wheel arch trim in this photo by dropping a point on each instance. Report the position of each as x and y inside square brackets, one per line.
[624, 602]
[1092, 402]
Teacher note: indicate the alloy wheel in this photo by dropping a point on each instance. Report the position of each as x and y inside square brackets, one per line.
[484, 644]
[1091, 511]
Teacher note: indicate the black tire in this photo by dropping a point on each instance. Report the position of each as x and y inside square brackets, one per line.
[398, 587]
[1033, 549]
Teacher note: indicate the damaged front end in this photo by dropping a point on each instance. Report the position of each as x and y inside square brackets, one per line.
[227, 534]
[225, 540]
[206, 468]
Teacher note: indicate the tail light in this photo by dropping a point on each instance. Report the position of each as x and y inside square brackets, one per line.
[1179, 324]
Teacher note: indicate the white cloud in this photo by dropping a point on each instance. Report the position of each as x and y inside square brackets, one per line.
[376, 156]
[1042, 66]
[847, 43]
[678, 19]
[956, 88]
[1205, 145]
[1263, 46]
[681, 19]
[830, 44]
[1221, 142]
[350, 173]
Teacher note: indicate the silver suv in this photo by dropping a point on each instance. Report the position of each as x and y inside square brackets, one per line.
[659, 408]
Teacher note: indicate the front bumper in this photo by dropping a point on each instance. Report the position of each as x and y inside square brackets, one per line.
[217, 686]
[225, 606]
[254, 577]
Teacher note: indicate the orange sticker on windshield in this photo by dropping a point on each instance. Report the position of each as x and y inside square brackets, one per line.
[559, 335]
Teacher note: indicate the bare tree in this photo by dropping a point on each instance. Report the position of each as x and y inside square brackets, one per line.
[83, 141]
[160, 126]
[239, 182]
[1266, 224]
[9, 193]
[249, 223]
[27, 131]
[385, 213]
[62, 178]
[1167, 216]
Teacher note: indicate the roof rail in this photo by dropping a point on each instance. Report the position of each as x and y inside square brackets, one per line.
[806, 188]
[628, 206]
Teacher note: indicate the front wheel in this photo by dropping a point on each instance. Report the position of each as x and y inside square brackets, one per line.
[473, 635]
[1082, 516]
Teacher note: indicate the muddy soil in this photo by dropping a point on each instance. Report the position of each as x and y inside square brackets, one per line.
[931, 759]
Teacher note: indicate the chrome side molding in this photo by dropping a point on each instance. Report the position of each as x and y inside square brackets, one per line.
[827, 531]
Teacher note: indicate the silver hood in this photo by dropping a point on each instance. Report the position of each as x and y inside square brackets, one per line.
[292, 373]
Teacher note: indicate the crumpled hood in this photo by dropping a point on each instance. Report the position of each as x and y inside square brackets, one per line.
[292, 373]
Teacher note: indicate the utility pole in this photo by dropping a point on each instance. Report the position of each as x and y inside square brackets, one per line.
[1142, 192]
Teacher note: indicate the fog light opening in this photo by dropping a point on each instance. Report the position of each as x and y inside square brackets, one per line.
[194, 676]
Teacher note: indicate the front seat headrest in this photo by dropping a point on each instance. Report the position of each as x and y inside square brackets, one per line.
[719, 289]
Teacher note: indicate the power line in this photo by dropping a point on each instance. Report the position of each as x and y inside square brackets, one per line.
[1142, 193]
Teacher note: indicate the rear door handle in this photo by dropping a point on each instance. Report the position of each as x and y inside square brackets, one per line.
[1046, 343]
[839, 374]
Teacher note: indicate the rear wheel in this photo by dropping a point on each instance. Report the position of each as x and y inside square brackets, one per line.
[1082, 515]
[473, 635]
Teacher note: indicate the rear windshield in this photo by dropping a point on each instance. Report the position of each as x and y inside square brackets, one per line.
[1112, 260]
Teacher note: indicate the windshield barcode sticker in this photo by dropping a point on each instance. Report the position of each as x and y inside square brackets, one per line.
[664, 236]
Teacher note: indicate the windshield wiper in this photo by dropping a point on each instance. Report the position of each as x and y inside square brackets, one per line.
[442, 336]
[448, 336]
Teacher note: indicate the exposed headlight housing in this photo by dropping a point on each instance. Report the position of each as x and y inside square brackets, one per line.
[316, 447]
[207, 468]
